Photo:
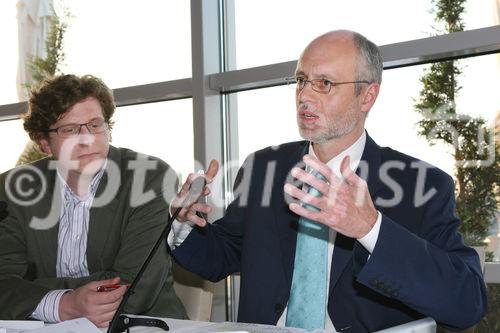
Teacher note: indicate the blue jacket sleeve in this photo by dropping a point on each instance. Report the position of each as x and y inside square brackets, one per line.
[431, 271]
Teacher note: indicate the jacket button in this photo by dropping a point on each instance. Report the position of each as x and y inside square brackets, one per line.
[278, 308]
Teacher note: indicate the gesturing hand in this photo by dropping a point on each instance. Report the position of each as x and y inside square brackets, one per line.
[345, 204]
[188, 212]
[86, 301]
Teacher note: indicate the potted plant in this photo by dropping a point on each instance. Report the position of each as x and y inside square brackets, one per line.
[474, 148]
[42, 68]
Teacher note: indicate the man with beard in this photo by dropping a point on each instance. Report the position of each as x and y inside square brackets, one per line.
[353, 251]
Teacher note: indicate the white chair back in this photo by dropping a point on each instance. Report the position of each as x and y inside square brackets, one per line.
[195, 293]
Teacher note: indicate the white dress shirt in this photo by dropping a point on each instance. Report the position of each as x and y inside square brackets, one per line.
[72, 244]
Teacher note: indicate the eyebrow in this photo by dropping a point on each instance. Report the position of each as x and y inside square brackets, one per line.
[321, 76]
[91, 120]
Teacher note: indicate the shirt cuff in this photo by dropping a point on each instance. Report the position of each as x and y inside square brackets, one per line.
[178, 233]
[370, 239]
[48, 308]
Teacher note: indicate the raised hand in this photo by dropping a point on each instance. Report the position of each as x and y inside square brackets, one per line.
[189, 211]
[345, 204]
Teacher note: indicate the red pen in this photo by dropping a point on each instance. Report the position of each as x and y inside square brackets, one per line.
[108, 287]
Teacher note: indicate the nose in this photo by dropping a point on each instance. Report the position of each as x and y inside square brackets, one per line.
[84, 129]
[306, 93]
[84, 135]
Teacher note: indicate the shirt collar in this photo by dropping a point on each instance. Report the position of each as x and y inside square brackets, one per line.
[355, 151]
[68, 192]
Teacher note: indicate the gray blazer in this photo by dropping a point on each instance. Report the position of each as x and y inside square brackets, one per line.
[120, 236]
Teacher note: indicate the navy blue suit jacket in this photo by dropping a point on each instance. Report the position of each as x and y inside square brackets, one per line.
[419, 266]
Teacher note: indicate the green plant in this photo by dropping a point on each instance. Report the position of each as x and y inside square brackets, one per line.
[475, 150]
[42, 68]
[491, 323]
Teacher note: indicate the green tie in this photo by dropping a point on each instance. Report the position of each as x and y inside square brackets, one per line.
[307, 302]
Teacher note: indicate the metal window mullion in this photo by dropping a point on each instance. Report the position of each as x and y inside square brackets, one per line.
[208, 108]
[452, 46]
[414, 52]
[230, 137]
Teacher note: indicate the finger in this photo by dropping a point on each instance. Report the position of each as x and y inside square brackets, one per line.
[201, 207]
[104, 319]
[179, 198]
[108, 301]
[206, 191]
[212, 170]
[191, 216]
[94, 284]
[346, 171]
[323, 169]
[113, 297]
[311, 180]
[183, 215]
[316, 164]
[317, 216]
[115, 280]
[303, 196]
[304, 212]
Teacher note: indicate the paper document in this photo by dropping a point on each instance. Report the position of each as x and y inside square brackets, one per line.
[80, 325]
[230, 327]
[13, 326]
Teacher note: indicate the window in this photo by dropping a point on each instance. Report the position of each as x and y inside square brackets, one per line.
[164, 130]
[260, 24]
[106, 39]
[265, 108]
[8, 65]
[12, 131]
[128, 43]
[266, 117]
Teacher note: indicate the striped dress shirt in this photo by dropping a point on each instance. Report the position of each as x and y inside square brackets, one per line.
[72, 244]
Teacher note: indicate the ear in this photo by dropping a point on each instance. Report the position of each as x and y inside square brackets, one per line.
[43, 143]
[369, 97]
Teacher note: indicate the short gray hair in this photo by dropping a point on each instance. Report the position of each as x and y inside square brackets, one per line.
[370, 62]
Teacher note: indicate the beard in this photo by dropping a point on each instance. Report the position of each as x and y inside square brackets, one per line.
[335, 128]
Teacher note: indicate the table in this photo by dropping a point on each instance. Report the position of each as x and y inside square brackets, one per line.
[426, 325]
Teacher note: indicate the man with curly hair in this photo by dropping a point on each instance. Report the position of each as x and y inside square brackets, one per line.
[84, 217]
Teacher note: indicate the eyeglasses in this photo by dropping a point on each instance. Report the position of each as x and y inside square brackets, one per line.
[95, 126]
[323, 86]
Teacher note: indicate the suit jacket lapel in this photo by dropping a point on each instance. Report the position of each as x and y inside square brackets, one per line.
[100, 220]
[368, 170]
[45, 219]
[286, 220]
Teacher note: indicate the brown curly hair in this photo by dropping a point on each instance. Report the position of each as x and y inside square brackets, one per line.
[57, 95]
